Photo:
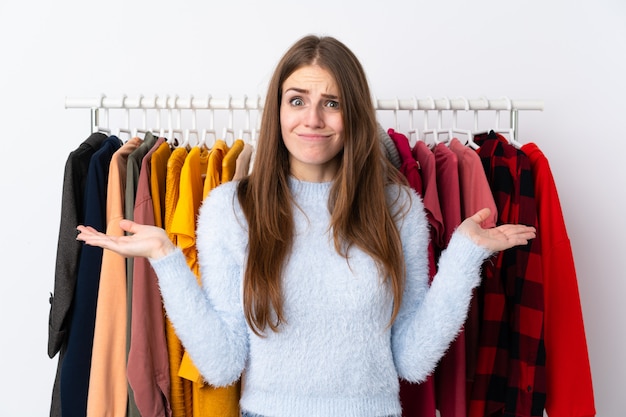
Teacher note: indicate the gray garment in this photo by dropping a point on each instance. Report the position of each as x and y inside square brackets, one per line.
[68, 254]
[133, 169]
[389, 147]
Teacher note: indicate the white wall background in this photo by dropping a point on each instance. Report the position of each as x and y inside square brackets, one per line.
[572, 57]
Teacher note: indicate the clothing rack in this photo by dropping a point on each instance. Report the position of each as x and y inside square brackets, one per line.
[173, 105]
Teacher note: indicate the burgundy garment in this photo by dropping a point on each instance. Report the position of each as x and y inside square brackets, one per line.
[450, 373]
[148, 362]
[426, 159]
[447, 171]
[409, 167]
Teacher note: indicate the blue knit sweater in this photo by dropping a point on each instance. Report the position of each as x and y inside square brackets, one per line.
[336, 356]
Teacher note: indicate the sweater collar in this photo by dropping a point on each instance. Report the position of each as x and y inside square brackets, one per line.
[304, 190]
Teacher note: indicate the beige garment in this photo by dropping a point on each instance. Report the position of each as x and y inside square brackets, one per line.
[108, 388]
[243, 162]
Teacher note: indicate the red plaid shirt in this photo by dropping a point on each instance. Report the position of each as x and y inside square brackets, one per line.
[510, 377]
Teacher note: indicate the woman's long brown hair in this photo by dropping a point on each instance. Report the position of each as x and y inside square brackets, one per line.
[360, 215]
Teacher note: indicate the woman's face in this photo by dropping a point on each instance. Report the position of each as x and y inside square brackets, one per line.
[311, 123]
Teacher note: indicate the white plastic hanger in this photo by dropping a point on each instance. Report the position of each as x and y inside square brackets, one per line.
[144, 125]
[193, 131]
[125, 130]
[98, 127]
[475, 131]
[229, 129]
[210, 131]
[469, 137]
[510, 131]
[412, 129]
[395, 115]
[175, 142]
[160, 129]
[440, 130]
[246, 131]
[428, 131]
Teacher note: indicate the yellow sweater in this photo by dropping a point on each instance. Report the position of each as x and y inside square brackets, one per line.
[180, 394]
[208, 401]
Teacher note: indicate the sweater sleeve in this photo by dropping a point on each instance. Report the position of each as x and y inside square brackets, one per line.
[209, 320]
[431, 317]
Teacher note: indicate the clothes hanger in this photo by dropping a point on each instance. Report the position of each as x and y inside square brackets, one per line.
[125, 130]
[99, 128]
[210, 131]
[510, 131]
[412, 130]
[427, 131]
[172, 139]
[246, 131]
[160, 129]
[255, 132]
[469, 137]
[395, 115]
[193, 130]
[229, 129]
[476, 131]
[144, 129]
[440, 130]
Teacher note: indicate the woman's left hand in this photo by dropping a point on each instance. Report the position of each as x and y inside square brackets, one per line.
[497, 238]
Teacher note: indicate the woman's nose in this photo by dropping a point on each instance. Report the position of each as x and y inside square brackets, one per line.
[314, 117]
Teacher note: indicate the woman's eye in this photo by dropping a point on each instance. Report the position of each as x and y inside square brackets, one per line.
[296, 101]
[332, 104]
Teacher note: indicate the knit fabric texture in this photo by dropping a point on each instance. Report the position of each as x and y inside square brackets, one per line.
[388, 147]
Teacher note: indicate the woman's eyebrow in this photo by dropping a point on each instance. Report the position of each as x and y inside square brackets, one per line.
[305, 91]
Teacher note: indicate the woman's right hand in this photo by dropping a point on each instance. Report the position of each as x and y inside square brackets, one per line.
[143, 241]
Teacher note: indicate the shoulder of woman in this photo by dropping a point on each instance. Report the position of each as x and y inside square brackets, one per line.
[402, 197]
[406, 206]
[222, 196]
[221, 203]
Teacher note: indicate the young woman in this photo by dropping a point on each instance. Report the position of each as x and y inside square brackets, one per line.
[314, 267]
